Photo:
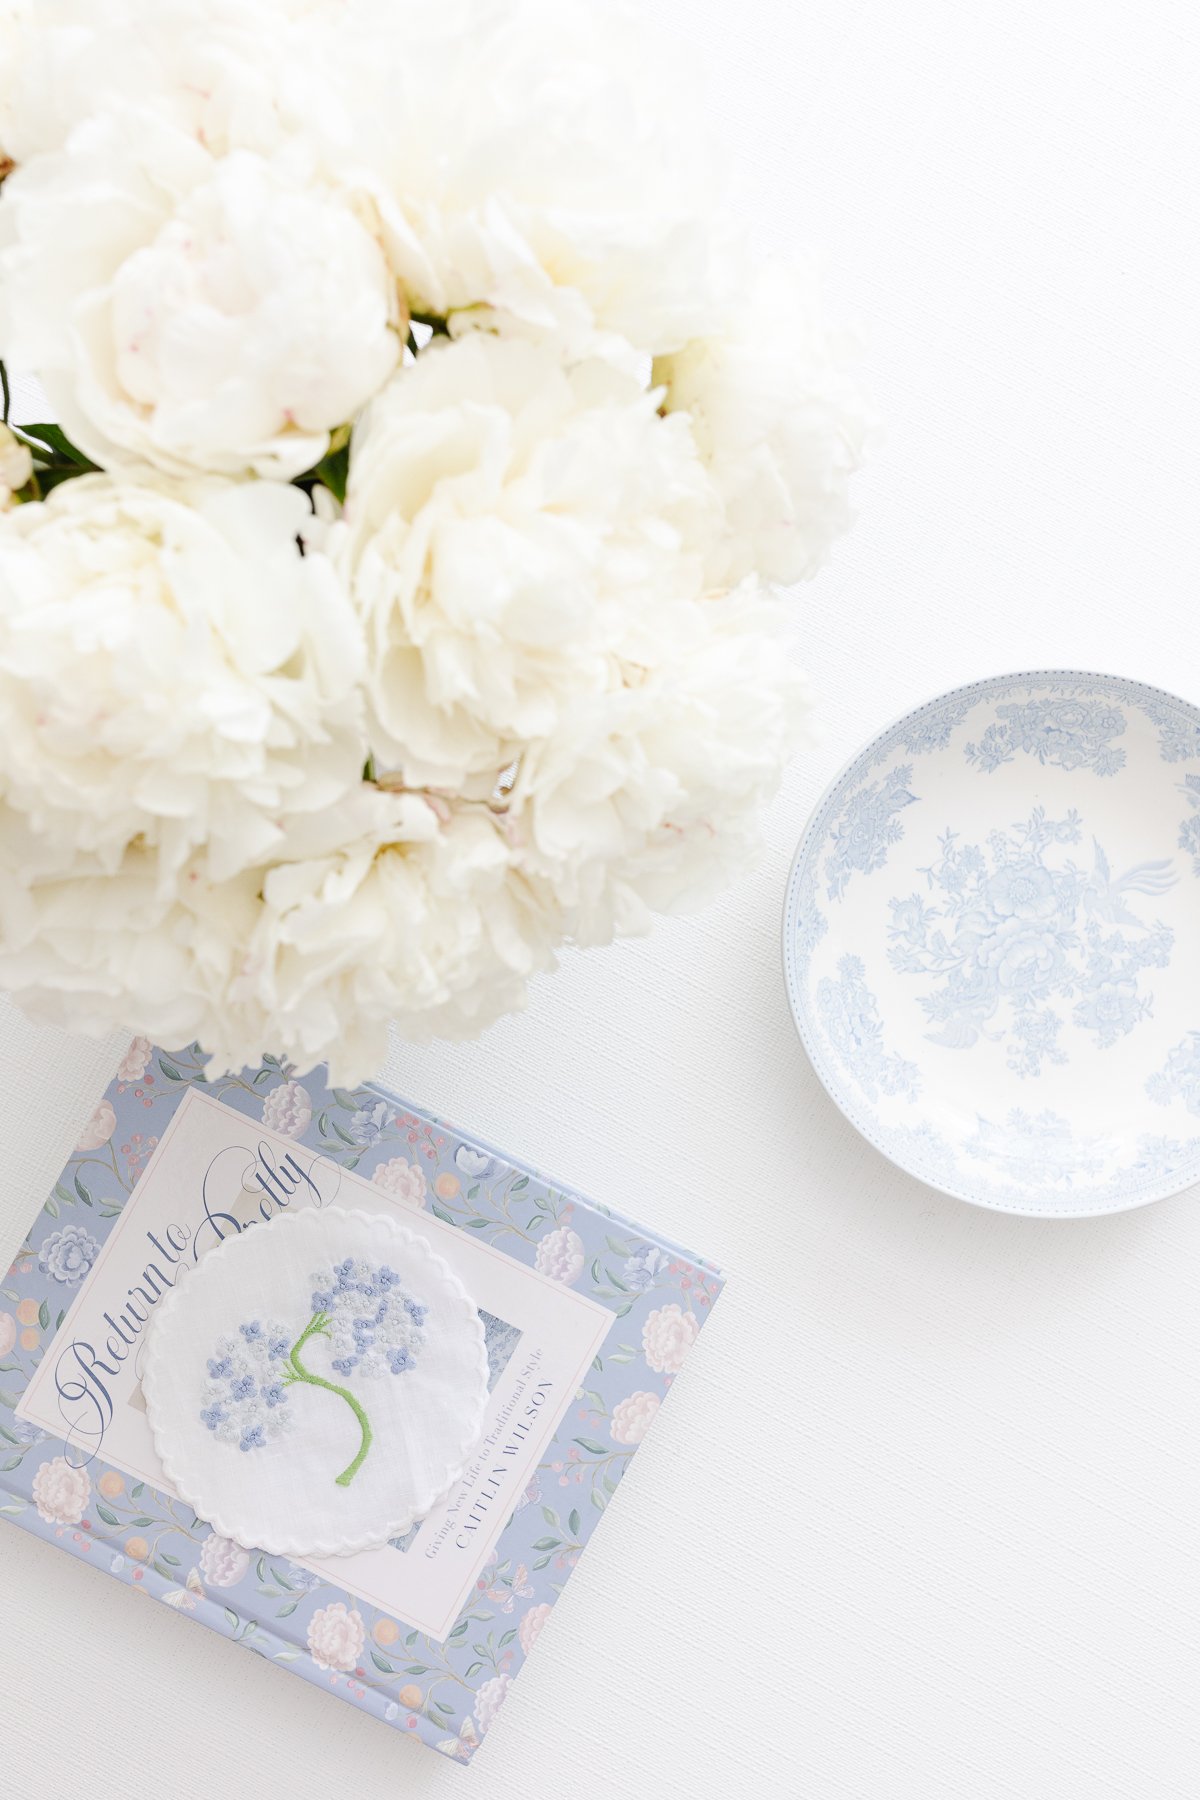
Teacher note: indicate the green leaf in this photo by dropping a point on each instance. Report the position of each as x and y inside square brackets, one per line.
[231, 1619]
[622, 1310]
[136, 1490]
[477, 1224]
[522, 1183]
[542, 1563]
[551, 1517]
[173, 1560]
[263, 1075]
[547, 1543]
[110, 1518]
[55, 439]
[110, 1212]
[439, 1212]
[51, 1207]
[473, 1670]
[573, 1523]
[14, 1462]
[169, 1069]
[282, 1580]
[617, 1247]
[410, 1640]
[382, 1663]
[460, 1629]
[44, 1315]
[287, 1609]
[480, 1649]
[48, 479]
[83, 1193]
[591, 1446]
[345, 1100]
[344, 1135]
[61, 1316]
[334, 471]
[598, 1500]
[508, 1637]
[63, 1195]
[141, 1520]
[472, 1191]
[417, 1669]
[10, 1437]
[323, 1124]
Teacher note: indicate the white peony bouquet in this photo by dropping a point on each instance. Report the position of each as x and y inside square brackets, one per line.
[395, 596]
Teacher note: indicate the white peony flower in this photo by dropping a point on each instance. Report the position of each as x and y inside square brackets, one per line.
[533, 1620]
[418, 920]
[490, 1696]
[175, 677]
[560, 1255]
[99, 1127]
[136, 1060]
[234, 76]
[402, 1181]
[288, 1109]
[16, 18]
[61, 1492]
[194, 311]
[667, 1336]
[222, 1562]
[336, 1636]
[542, 167]
[633, 1417]
[509, 525]
[780, 425]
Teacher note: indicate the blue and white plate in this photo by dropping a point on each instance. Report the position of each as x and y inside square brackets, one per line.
[992, 943]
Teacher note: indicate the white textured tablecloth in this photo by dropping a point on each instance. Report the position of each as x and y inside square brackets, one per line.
[920, 1519]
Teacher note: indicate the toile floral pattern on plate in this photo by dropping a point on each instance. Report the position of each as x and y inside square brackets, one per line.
[443, 1687]
[990, 945]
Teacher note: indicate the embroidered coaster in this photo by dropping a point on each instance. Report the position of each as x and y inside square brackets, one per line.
[316, 1385]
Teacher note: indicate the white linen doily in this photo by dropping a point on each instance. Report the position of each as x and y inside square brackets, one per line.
[316, 1384]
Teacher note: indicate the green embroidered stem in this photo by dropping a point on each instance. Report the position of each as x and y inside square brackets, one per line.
[318, 1325]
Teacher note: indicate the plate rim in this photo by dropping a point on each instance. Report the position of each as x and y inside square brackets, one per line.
[1170, 1185]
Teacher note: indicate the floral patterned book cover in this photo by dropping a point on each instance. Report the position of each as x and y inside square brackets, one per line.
[587, 1319]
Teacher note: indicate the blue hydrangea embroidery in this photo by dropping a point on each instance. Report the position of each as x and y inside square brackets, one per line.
[374, 1327]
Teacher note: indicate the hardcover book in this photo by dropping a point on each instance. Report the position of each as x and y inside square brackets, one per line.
[587, 1321]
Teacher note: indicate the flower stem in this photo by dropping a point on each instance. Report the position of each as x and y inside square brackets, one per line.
[318, 1325]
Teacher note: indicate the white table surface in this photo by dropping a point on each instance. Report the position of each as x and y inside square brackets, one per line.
[920, 1518]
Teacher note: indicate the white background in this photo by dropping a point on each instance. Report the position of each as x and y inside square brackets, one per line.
[920, 1518]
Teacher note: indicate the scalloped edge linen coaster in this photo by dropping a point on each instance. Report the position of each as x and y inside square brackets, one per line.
[316, 1385]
